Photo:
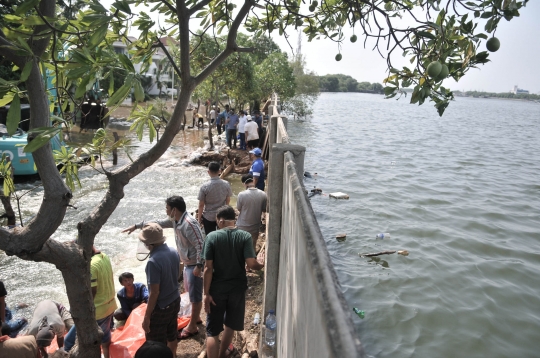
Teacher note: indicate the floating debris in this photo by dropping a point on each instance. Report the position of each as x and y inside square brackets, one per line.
[377, 253]
[403, 252]
[339, 195]
[341, 237]
[359, 312]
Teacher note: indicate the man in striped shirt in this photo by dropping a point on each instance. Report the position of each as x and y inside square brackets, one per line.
[189, 243]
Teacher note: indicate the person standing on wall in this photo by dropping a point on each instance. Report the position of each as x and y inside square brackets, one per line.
[226, 252]
[189, 243]
[213, 194]
[257, 168]
[102, 283]
[231, 124]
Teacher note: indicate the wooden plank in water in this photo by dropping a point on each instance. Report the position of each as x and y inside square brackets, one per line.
[227, 171]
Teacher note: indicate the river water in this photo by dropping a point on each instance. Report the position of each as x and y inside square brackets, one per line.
[460, 193]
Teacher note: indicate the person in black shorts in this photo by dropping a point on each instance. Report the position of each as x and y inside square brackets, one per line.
[226, 252]
[162, 272]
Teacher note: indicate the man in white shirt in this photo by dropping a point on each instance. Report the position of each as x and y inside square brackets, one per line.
[242, 120]
[213, 116]
[252, 133]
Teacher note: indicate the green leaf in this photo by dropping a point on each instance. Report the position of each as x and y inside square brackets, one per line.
[26, 71]
[33, 21]
[81, 88]
[14, 115]
[25, 45]
[44, 136]
[128, 65]
[426, 34]
[139, 92]
[120, 94]
[26, 6]
[111, 83]
[8, 97]
[389, 90]
[122, 6]
[98, 35]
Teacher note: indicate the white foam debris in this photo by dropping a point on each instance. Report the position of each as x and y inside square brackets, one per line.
[339, 195]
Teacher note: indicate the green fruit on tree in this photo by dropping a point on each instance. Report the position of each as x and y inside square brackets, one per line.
[443, 74]
[493, 44]
[312, 8]
[230, 7]
[314, 3]
[338, 57]
[434, 69]
[354, 38]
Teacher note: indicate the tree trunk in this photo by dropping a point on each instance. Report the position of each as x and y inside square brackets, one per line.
[10, 214]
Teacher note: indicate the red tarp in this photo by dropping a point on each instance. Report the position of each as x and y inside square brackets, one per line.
[127, 339]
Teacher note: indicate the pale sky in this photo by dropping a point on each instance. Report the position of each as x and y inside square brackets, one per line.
[516, 62]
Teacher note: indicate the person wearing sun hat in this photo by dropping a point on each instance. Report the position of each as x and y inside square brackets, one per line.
[162, 272]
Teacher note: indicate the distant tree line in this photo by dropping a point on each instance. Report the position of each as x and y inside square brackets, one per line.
[344, 83]
[499, 95]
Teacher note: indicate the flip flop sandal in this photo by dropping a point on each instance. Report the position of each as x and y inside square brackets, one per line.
[185, 334]
[231, 351]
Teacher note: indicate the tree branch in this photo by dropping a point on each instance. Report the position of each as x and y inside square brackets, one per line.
[231, 43]
[47, 8]
[198, 6]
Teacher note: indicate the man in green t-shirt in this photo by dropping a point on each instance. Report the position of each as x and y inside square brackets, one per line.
[227, 251]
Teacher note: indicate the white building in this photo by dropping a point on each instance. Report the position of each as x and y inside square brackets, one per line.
[517, 90]
[158, 61]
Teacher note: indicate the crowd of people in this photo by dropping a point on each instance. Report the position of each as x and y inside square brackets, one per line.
[239, 128]
[212, 254]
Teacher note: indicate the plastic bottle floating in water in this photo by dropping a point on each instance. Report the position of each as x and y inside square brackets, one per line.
[359, 312]
[383, 235]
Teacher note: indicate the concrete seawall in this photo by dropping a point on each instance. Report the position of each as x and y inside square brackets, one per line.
[300, 281]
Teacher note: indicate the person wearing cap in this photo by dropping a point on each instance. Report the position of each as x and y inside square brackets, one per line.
[252, 134]
[102, 284]
[6, 316]
[226, 252]
[151, 349]
[242, 120]
[162, 270]
[213, 194]
[189, 242]
[257, 168]
[54, 317]
[251, 203]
